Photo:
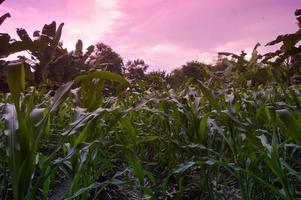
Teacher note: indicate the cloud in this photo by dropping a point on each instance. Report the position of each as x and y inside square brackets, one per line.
[164, 56]
[90, 20]
[165, 33]
[236, 46]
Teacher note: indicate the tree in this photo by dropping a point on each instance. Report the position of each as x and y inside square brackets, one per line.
[194, 70]
[156, 80]
[286, 66]
[69, 64]
[135, 70]
[105, 58]
[49, 60]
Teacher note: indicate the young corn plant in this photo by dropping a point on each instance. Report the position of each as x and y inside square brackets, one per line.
[83, 133]
[25, 126]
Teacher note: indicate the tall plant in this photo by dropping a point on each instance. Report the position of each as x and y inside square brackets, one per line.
[25, 125]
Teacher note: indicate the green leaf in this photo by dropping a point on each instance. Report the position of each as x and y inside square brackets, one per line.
[266, 144]
[12, 125]
[209, 95]
[37, 115]
[16, 81]
[148, 139]
[183, 167]
[136, 166]
[60, 96]
[128, 127]
[102, 75]
[292, 124]
[85, 189]
[202, 127]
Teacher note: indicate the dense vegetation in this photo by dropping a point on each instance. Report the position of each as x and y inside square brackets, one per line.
[82, 125]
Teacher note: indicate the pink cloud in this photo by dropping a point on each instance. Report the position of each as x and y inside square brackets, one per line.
[90, 21]
[166, 33]
[203, 27]
[165, 56]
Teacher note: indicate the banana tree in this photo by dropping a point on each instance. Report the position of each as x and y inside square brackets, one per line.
[286, 60]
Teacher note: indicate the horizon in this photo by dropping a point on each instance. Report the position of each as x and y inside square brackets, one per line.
[164, 34]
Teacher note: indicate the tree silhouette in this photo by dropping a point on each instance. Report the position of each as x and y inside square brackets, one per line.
[105, 58]
[135, 70]
[194, 70]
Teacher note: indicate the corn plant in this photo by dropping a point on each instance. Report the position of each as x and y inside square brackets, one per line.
[25, 125]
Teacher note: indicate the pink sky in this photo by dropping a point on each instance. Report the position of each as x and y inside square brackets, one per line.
[165, 33]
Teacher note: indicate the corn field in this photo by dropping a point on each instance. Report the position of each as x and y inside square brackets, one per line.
[101, 135]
